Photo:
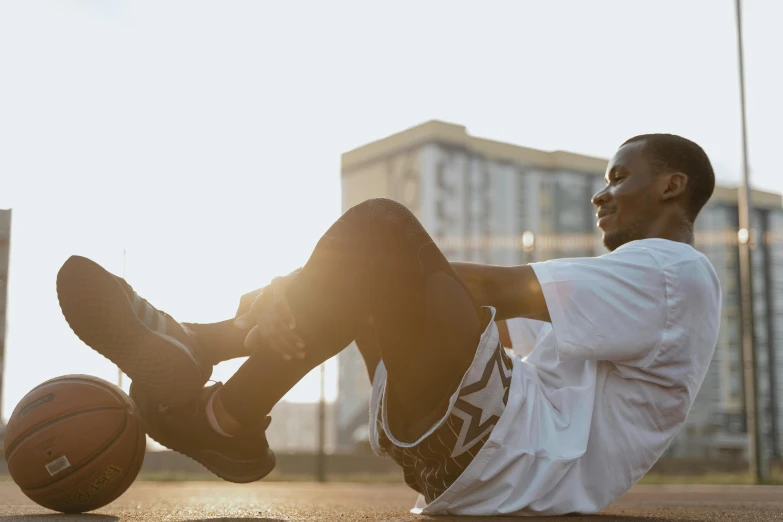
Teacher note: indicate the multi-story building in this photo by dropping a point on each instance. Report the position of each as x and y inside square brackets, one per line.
[295, 427]
[493, 202]
[716, 425]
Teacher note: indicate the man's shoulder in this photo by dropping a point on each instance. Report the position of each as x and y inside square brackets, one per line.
[665, 252]
[687, 271]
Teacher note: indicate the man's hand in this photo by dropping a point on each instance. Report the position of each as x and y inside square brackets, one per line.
[274, 322]
[246, 301]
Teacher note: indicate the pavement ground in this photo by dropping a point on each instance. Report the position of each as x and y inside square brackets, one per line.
[346, 502]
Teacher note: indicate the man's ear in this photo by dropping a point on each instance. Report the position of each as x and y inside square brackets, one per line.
[674, 185]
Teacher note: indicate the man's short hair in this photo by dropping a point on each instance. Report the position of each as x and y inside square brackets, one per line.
[672, 153]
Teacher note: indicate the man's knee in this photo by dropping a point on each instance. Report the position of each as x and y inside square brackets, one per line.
[381, 206]
[385, 215]
[382, 210]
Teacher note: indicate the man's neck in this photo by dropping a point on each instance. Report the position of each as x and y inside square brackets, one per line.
[681, 232]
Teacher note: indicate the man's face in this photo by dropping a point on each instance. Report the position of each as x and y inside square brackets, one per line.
[627, 204]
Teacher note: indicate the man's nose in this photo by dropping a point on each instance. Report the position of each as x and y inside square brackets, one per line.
[601, 197]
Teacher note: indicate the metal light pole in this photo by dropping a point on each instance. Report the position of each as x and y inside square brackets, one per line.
[320, 469]
[119, 372]
[746, 284]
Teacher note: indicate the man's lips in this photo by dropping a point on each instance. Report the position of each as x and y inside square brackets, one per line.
[603, 216]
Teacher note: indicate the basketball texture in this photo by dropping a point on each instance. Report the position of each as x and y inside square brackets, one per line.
[74, 443]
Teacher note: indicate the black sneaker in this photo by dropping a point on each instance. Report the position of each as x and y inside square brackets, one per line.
[149, 346]
[185, 429]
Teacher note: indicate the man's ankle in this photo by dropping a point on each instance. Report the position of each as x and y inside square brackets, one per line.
[218, 342]
[220, 419]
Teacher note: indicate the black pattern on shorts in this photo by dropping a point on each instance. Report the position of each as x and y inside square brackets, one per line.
[431, 466]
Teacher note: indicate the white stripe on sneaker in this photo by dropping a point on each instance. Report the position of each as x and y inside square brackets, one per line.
[161, 327]
[148, 315]
[156, 321]
[138, 305]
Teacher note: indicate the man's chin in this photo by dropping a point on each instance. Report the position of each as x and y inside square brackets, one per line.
[614, 240]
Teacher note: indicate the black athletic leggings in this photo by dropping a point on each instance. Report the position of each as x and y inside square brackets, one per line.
[376, 260]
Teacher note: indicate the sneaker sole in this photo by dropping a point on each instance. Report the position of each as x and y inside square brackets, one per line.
[241, 471]
[99, 312]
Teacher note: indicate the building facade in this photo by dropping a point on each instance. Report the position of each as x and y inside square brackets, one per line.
[295, 428]
[479, 198]
[716, 427]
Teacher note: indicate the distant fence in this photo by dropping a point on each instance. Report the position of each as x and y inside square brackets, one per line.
[304, 464]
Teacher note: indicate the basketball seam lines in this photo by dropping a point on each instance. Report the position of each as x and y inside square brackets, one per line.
[9, 451]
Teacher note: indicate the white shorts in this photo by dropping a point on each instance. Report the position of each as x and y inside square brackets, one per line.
[434, 461]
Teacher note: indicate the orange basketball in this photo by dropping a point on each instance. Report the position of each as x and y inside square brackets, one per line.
[74, 443]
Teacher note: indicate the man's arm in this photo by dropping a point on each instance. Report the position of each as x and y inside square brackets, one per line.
[514, 291]
[504, 334]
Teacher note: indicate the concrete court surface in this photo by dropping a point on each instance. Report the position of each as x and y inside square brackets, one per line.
[270, 501]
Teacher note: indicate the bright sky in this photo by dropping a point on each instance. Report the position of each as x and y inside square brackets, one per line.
[205, 137]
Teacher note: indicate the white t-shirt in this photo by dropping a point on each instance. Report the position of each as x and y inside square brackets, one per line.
[606, 387]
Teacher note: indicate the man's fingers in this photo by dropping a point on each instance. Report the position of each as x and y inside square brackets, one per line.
[253, 339]
[291, 338]
[243, 322]
[258, 304]
[274, 322]
[246, 301]
[283, 310]
[279, 344]
[277, 338]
